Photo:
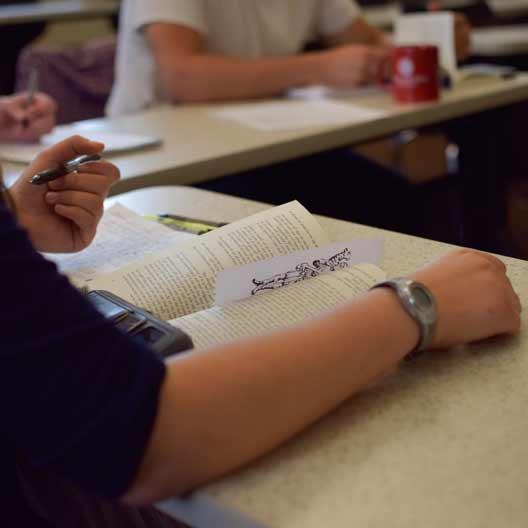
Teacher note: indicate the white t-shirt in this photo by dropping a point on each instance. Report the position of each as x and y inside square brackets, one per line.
[238, 28]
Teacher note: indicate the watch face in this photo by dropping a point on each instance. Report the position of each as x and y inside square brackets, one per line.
[424, 303]
[421, 298]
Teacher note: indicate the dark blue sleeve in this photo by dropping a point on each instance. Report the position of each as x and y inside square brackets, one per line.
[76, 397]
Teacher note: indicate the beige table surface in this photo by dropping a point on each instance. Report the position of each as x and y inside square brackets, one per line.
[443, 443]
[57, 10]
[500, 40]
[508, 8]
[199, 147]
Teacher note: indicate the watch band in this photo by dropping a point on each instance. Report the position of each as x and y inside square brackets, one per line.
[421, 308]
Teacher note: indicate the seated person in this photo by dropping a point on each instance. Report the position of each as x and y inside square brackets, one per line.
[100, 415]
[24, 120]
[204, 50]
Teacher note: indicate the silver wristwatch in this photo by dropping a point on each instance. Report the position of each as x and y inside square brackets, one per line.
[420, 304]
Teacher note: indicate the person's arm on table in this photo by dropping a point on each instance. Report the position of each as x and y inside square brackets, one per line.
[190, 74]
[77, 397]
[83, 401]
[359, 55]
[225, 406]
[26, 118]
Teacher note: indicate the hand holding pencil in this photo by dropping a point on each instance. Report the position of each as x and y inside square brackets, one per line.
[26, 116]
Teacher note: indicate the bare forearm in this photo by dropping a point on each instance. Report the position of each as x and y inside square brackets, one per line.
[199, 78]
[226, 406]
[360, 32]
[190, 73]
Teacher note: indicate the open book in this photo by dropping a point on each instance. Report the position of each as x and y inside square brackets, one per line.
[123, 237]
[283, 256]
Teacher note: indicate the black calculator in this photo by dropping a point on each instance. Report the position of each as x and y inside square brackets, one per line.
[164, 339]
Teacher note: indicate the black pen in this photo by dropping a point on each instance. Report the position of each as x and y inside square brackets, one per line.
[32, 90]
[49, 175]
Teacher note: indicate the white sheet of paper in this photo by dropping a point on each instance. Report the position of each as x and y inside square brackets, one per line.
[437, 29]
[115, 143]
[291, 115]
[235, 284]
[321, 92]
[122, 238]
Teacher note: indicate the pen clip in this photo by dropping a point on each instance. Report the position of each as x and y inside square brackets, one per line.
[74, 164]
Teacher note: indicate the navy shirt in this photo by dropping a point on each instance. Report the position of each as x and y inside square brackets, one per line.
[77, 398]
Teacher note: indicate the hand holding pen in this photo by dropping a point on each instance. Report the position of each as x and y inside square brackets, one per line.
[62, 215]
[62, 169]
[26, 117]
[33, 85]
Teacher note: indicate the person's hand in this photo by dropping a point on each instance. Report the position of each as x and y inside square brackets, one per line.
[475, 298]
[62, 216]
[354, 65]
[462, 31]
[462, 36]
[22, 121]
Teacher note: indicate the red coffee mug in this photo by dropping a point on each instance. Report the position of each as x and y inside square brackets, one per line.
[415, 74]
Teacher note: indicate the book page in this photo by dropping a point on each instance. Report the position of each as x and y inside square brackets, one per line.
[181, 281]
[122, 237]
[235, 284]
[273, 310]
